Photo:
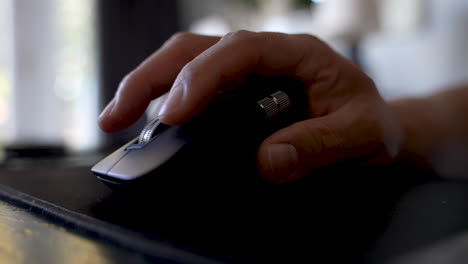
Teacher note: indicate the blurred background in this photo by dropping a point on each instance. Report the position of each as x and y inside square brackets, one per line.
[61, 61]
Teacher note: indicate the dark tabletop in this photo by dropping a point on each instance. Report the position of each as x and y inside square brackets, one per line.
[391, 215]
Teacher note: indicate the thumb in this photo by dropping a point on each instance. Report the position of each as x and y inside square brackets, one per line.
[292, 152]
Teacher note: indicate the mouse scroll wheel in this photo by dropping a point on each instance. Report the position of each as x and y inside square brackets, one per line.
[153, 128]
[274, 104]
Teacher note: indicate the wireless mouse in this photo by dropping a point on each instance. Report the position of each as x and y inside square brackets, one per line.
[217, 146]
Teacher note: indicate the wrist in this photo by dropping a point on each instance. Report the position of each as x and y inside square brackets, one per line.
[420, 131]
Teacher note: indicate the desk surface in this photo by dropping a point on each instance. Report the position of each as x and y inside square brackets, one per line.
[372, 219]
[28, 238]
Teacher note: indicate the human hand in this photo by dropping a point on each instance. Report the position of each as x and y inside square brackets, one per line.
[348, 118]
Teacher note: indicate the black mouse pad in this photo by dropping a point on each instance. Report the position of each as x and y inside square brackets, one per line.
[338, 211]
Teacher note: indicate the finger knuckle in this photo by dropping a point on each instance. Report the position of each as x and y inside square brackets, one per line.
[179, 45]
[239, 35]
[180, 37]
[187, 72]
[368, 84]
[322, 137]
[128, 78]
[329, 138]
[312, 40]
[310, 37]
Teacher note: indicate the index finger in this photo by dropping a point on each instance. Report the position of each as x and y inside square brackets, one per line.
[151, 79]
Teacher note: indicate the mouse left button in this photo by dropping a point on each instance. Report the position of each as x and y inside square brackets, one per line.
[105, 165]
